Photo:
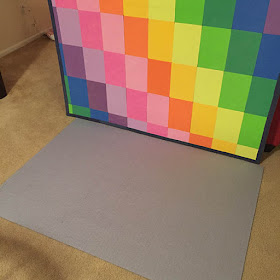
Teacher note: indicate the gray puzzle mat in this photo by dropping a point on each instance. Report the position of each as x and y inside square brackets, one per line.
[156, 208]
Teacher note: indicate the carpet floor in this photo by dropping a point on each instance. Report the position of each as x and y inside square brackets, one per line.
[33, 114]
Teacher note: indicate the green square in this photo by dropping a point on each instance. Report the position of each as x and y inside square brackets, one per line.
[67, 88]
[219, 13]
[243, 52]
[214, 47]
[70, 106]
[260, 96]
[81, 111]
[189, 11]
[235, 91]
[252, 131]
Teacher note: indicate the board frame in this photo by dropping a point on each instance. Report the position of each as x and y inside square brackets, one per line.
[264, 136]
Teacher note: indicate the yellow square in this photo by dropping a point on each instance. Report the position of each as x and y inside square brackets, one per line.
[228, 125]
[161, 40]
[162, 9]
[208, 86]
[246, 152]
[186, 43]
[182, 81]
[224, 146]
[136, 8]
[203, 120]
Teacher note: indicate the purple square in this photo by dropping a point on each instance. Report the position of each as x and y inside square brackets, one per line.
[138, 125]
[118, 120]
[97, 96]
[94, 65]
[57, 25]
[272, 25]
[69, 24]
[74, 61]
[116, 100]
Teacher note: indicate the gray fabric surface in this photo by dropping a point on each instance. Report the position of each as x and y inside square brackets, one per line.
[159, 209]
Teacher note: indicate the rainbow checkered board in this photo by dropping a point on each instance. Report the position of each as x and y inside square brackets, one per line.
[202, 72]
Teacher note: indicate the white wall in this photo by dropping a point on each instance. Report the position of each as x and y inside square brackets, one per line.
[21, 21]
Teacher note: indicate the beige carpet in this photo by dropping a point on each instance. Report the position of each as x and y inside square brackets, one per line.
[30, 116]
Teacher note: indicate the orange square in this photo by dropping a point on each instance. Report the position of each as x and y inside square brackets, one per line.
[180, 114]
[200, 140]
[111, 6]
[159, 73]
[136, 36]
[224, 146]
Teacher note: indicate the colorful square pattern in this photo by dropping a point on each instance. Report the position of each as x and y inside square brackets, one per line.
[202, 72]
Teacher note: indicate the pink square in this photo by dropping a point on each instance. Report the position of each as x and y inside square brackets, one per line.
[136, 72]
[91, 30]
[138, 125]
[137, 105]
[115, 69]
[116, 100]
[158, 109]
[69, 24]
[178, 135]
[113, 33]
[157, 130]
[70, 4]
[88, 5]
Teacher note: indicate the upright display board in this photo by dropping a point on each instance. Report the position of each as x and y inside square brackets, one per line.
[200, 72]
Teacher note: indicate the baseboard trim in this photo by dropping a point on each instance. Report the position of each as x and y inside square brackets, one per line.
[22, 43]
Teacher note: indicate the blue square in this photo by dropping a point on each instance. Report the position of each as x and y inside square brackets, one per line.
[62, 58]
[250, 15]
[78, 92]
[99, 115]
[268, 62]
